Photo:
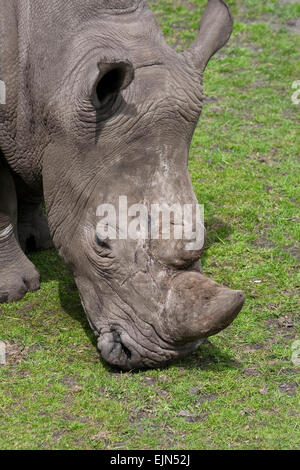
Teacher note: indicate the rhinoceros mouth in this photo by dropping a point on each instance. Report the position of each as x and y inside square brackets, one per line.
[194, 309]
[119, 350]
[115, 349]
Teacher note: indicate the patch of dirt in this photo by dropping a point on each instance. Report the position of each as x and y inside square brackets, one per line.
[15, 353]
[69, 381]
[163, 393]
[289, 389]
[263, 241]
[76, 389]
[205, 397]
[253, 347]
[292, 25]
[27, 309]
[242, 352]
[72, 385]
[149, 381]
[196, 390]
[264, 390]
[215, 110]
[138, 415]
[294, 251]
[269, 159]
[282, 328]
[58, 434]
[163, 379]
[191, 6]
[155, 382]
[119, 446]
[104, 392]
[171, 439]
[67, 417]
[284, 322]
[192, 418]
[210, 100]
[107, 392]
[289, 371]
[102, 436]
[247, 412]
[251, 372]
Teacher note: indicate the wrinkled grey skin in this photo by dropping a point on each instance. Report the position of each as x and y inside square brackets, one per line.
[98, 106]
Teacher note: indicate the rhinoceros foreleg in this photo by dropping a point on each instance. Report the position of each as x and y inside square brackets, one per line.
[17, 274]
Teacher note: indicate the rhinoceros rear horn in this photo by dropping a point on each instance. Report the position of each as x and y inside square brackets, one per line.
[215, 30]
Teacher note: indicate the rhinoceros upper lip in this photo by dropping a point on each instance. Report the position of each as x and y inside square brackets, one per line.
[115, 350]
[119, 350]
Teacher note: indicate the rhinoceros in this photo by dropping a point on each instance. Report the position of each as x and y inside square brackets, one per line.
[94, 106]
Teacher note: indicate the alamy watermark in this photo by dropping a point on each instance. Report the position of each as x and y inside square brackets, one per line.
[157, 222]
[2, 92]
[296, 95]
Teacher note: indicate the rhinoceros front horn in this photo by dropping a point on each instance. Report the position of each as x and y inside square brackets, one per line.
[198, 307]
[215, 30]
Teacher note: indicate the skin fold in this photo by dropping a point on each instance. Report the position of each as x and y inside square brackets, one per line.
[98, 106]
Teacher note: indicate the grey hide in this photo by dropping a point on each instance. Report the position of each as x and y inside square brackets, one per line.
[95, 105]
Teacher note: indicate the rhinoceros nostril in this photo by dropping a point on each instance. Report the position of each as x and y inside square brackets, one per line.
[126, 350]
[118, 340]
[114, 350]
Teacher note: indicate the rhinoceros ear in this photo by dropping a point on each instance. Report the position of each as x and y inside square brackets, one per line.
[112, 78]
[215, 29]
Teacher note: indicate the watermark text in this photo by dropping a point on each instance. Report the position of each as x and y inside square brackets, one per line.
[157, 222]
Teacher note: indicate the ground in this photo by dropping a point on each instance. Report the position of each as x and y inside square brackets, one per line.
[240, 390]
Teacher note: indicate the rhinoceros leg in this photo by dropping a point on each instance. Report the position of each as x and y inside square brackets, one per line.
[17, 274]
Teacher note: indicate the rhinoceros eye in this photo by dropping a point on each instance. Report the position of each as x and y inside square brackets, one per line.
[114, 77]
[102, 243]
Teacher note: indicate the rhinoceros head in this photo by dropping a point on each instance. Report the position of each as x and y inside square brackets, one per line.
[120, 109]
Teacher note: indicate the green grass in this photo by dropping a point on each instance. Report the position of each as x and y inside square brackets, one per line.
[240, 389]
